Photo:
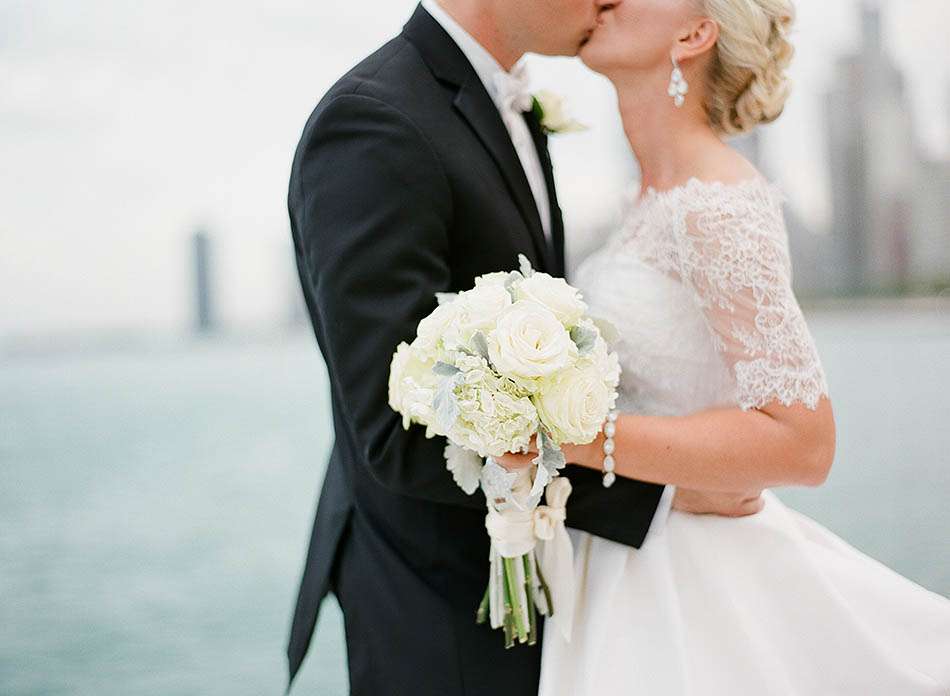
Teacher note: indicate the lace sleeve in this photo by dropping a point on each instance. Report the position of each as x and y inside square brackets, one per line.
[734, 255]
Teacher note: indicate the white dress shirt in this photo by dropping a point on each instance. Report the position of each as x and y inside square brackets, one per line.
[486, 67]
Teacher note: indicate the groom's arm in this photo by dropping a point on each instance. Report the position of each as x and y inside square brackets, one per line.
[621, 513]
[371, 207]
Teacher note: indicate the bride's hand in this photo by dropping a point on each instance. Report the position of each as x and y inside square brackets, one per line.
[721, 504]
[513, 461]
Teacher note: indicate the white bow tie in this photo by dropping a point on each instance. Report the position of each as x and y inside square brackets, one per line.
[512, 89]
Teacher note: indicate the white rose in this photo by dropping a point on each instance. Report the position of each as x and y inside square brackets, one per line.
[498, 279]
[529, 342]
[555, 294]
[573, 404]
[607, 362]
[479, 309]
[437, 329]
[554, 114]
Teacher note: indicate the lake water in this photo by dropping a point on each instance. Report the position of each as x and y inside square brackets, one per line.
[155, 506]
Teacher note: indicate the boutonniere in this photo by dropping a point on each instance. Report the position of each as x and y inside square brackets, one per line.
[551, 111]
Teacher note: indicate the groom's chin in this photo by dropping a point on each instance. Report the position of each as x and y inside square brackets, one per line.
[588, 35]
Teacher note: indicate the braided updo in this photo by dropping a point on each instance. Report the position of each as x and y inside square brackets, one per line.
[747, 84]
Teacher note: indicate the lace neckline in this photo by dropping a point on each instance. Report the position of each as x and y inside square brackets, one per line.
[695, 185]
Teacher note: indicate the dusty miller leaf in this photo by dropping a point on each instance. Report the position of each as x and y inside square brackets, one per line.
[584, 338]
[443, 369]
[445, 404]
[550, 455]
[480, 344]
[525, 266]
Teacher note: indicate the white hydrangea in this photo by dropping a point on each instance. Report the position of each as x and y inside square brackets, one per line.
[412, 385]
[495, 415]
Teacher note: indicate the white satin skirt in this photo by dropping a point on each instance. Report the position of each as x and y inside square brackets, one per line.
[764, 605]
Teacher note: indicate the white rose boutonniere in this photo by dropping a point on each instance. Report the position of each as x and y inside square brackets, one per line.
[551, 112]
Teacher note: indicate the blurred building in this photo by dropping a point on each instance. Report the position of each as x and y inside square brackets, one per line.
[930, 222]
[889, 224]
[205, 319]
[809, 249]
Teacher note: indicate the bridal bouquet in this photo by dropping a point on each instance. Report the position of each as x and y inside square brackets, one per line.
[516, 361]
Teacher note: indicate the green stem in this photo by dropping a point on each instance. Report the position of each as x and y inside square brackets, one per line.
[515, 591]
[481, 616]
[547, 592]
[532, 612]
[509, 619]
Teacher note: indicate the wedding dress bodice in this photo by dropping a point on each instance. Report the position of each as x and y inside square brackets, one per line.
[697, 281]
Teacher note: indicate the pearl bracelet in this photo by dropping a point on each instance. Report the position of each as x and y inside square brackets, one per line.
[610, 429]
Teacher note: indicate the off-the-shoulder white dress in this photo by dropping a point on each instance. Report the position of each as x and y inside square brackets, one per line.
[698, 283]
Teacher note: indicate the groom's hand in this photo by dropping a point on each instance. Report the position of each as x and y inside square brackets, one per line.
[721, 504]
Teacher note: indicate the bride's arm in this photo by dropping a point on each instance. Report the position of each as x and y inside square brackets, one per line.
[722, 450]
[734, 259]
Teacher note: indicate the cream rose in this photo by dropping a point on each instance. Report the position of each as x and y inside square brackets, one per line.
[529, 342]
[555, 118]
[479, 309]
[573, 404]
[555, 294]
[499, 278]
[437, 329]
[607, 362]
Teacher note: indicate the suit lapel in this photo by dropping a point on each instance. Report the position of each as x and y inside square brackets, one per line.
[557, 219]
[476, 107]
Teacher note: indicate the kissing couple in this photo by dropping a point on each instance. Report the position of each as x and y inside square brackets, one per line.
[427, 166]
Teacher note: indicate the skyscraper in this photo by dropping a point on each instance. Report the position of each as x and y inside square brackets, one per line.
[205, 319]
[871, 140]
[809, 270]
[930, 241]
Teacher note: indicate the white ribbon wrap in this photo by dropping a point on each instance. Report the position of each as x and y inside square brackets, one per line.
[555, 553]
[515, 532]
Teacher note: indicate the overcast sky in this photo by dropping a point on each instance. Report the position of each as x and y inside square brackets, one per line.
[123, 125]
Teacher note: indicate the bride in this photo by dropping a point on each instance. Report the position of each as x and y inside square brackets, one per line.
[722, 392]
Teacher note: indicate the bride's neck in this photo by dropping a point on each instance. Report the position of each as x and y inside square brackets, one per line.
[668, 142]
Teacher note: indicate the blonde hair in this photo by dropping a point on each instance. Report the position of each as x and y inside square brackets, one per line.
[747, 84]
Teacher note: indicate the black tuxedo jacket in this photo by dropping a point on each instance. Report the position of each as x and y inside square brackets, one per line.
[405, 183]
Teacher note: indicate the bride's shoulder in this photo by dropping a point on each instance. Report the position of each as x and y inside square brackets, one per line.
[720, 180]
[727, 178]
[724, 164]
[726, 191]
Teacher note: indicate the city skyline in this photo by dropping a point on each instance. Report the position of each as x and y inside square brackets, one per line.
[125, 127]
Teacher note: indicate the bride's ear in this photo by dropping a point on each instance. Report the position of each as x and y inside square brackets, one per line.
[697, 38]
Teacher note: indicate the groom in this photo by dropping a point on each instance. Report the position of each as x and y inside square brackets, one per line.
[417, 172]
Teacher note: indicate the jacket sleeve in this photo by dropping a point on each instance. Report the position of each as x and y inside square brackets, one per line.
[371, 208]
[621, 513]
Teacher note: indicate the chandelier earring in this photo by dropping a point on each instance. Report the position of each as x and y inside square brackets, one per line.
[678, 85]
